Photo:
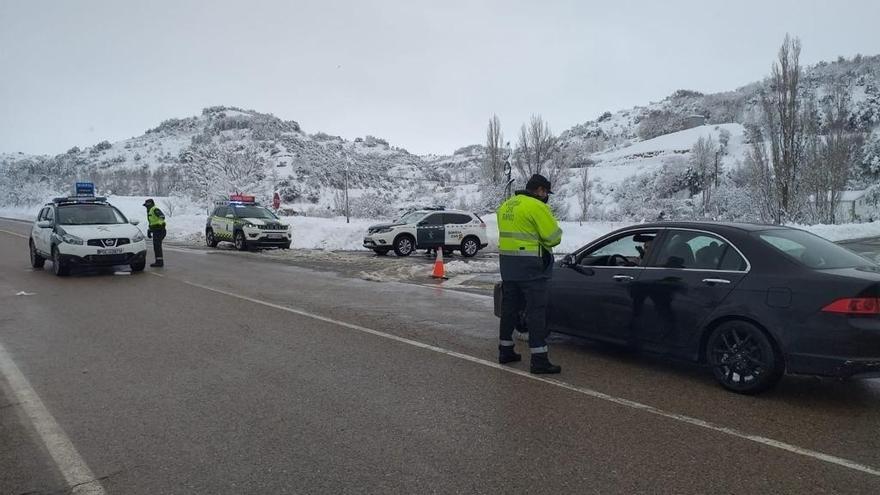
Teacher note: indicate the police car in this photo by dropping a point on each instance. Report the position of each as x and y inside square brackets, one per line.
[85, 230]
[429, 228]
[243, 222]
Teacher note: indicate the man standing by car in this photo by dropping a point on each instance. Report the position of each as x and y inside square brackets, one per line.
[155, 230]
[527, 232]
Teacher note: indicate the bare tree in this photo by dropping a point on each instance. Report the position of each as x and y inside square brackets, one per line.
[537, 152]
[783, 127]
[585, 190]
[760, 179]
[830, 152]
[494, 162]
[704, 160]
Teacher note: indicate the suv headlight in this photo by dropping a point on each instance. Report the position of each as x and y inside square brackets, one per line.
[384, 230]
[138, 237]
[70, 239]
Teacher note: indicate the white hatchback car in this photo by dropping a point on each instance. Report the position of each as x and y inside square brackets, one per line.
[85, 231]
[429, 228]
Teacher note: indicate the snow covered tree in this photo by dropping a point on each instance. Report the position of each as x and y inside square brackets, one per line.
[493, 163]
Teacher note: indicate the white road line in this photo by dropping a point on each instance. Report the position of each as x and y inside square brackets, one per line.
[16, 234]
[456, 281]
[79, 477]
[839, 461]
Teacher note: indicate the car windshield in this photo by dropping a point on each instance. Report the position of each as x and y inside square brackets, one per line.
[253, 212]
[89, 214]
[412, 217]
[812, 250]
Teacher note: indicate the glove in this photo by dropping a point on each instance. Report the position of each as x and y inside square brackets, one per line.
[149, 234]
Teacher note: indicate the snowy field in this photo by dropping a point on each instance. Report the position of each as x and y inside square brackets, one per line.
[186, 224]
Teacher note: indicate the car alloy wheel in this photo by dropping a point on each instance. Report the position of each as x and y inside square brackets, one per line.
[469, 247]
[743, 358]
[404, 246]
[209, 239]
[240, 243]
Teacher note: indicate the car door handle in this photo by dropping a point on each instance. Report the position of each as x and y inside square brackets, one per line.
[713, 281]
[622, 278]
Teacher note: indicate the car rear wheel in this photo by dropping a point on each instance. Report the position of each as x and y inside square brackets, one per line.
[240, 243]
[210, 240]
[404, 245]
[469, 247]
[37, 261]
[59, 267]
[743, 359]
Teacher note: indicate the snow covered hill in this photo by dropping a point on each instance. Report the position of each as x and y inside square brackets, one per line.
[634, 162]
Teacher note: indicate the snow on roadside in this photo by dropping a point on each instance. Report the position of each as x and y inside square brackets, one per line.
[186, 224]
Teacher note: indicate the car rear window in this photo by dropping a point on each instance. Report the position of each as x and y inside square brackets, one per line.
[811, 250]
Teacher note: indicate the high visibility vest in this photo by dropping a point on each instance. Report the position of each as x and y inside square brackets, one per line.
[527, 233]
[155, 218]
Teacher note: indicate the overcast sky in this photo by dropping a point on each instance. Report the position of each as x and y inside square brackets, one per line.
[427, 76]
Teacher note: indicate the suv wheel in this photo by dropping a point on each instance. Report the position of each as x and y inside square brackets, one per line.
[210, 240]
[742, 358]
[469, 247]
[59, 267]
[139, 266]
[37, 261]
[404, 245]
[240, 243]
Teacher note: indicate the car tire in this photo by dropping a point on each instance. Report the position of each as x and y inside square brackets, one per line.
[743, 358]
[37, 261]
[59, 267]
[404, 245]
[239, 241]
[210, 240]
[470, 246]
[381, 251]
[139, 266]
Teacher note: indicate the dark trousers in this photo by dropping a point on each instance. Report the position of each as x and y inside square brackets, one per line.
[158, 236]
[530, 297]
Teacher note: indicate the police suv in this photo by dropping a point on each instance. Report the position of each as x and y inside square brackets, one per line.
[85, 230]
[242, 221]
[429, 228]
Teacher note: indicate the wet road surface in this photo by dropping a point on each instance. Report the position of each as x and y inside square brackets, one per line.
[235, 373]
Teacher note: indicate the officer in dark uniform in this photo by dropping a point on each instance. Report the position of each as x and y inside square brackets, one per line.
[156, 230]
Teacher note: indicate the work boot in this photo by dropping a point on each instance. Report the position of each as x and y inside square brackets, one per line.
[541, 365]
[158, 264]
[507, 355]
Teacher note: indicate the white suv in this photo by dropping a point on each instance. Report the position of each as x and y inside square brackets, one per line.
[429, 228]
[85, 231]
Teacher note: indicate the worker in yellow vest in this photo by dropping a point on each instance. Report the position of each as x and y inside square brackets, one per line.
[527, 233]
[155, 230]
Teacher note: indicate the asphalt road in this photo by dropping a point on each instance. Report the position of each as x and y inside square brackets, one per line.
[227, 373]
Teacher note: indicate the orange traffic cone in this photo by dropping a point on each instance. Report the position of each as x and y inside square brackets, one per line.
[439, 266]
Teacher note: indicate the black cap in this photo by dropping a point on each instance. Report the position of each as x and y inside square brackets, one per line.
[537, 181]
[149, 202]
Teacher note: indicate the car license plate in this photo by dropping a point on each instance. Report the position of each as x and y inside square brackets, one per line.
[110, 251]
[276, 236]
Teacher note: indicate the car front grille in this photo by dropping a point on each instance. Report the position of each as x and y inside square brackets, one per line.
[272, 226]
[109, 259]
[109, 242]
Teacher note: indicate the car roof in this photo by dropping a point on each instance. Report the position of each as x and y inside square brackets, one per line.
[443, 211]
[708, 225]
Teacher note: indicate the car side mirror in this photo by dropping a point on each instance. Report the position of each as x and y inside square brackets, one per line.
[135, 222]
[230, 215]
[568, 260]
[44, 224]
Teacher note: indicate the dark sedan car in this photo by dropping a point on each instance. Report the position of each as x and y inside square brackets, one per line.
[752, 301]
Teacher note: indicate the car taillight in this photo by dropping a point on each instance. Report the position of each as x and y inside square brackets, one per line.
[854, 306]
